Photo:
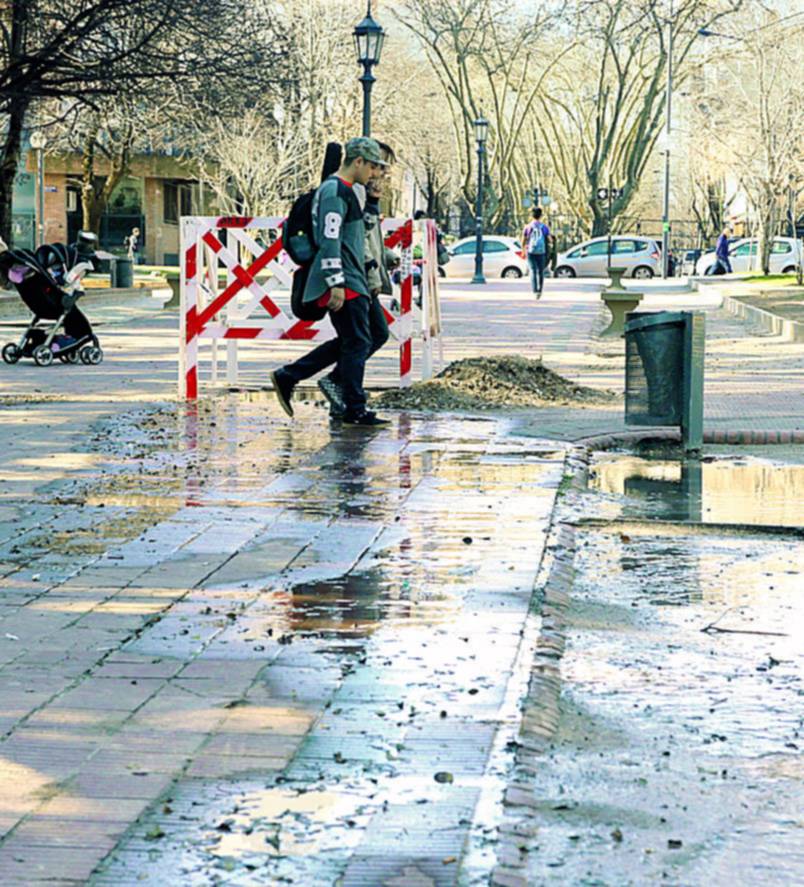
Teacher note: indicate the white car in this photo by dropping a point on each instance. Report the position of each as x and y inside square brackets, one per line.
[502, 257]
[640, 256]
[786, 255]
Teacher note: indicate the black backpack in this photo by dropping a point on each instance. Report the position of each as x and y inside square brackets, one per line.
[298, 239]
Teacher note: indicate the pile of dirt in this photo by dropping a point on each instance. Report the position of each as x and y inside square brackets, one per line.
[488, 383]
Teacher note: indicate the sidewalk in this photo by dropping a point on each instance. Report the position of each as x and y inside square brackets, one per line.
[238, 647]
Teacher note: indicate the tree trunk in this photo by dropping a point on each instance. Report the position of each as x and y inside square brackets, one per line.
[93, 200]
[9, 160]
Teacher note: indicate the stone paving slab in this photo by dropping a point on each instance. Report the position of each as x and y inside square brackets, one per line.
[143, 683]
[117, 647]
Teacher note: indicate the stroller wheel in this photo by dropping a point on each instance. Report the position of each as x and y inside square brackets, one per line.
[43, 356]
[91, 354]
[11, 353]
[72, 357]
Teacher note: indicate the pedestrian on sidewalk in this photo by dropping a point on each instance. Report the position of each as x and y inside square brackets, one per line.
[722, 262]
[535, 240]
[378, 259]
[337, 281]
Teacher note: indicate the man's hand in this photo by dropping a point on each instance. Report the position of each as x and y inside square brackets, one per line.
[337, 297]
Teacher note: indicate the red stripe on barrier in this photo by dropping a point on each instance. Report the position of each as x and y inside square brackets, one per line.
[212, 242]
[405, 357]
[302, 329]
[192, 383]
[269, 306]
[190, 263]
[191, 324]
[402, 236]
[233, 221]
[242, 332]
[407, 294]
[390, 318]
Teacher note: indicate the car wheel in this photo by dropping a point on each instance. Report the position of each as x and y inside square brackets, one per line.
[511, 273]
[565, 271]
[790, 269]
[643, 273]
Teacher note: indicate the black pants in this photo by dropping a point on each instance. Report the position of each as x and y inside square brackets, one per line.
[362, 330]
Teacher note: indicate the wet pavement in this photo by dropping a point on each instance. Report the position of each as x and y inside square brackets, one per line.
[678, 751]
[236, 649]
[317, 633]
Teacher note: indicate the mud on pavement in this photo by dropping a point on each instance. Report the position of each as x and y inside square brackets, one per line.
[675, 750]
[253, 651]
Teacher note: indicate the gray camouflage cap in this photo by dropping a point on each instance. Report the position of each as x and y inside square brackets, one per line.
[366, 148]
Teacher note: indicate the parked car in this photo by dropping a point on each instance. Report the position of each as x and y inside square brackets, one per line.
[689, 259]
[640, 256]
[786, 255]
[502, 257]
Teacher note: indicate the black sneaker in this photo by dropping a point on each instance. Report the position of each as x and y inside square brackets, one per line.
[365, 418]
[333, 392]
[283, 388]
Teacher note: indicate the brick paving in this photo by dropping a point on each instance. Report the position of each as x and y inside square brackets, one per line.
[147, 640]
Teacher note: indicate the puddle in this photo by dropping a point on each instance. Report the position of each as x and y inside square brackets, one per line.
[381, 584]
[678, 756]
[725, 490]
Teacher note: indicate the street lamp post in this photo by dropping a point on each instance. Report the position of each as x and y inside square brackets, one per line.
[667, 124]
[481, 133]
[38, 142]
[369, 37]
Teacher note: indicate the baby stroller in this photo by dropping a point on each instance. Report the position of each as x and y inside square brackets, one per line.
[48, 280]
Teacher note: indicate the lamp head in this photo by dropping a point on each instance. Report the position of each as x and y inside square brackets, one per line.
[481, 130]
[369, 37]
[38, 140]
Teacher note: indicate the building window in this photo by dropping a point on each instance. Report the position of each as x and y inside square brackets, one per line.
[177, 201]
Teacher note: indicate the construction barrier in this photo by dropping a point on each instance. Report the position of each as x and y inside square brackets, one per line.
[255, 269]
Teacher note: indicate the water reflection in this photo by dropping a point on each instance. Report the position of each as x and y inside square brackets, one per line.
[729, 491]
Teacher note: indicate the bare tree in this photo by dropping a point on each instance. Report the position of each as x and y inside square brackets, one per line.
[765, 142]
[607, 126]
[90, 50]
[491, 57]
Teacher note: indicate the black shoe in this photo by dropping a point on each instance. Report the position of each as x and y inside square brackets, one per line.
[283, 388]
[333, 392]
[365, 418]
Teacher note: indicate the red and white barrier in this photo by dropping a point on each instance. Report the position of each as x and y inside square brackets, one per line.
[212, 314]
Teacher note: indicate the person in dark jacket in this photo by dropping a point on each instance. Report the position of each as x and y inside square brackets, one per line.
[722, 262]
[338, 281]
[378, 259]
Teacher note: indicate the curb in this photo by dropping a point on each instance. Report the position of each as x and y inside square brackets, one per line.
[540, 707]
[789, 330]
[749, 437]
[540, 718]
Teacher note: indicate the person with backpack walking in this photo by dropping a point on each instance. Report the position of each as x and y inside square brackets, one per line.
[377, 260]
[535, 240]
[336, 282]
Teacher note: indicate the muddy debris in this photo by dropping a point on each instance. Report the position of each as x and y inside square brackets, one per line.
[488, 383]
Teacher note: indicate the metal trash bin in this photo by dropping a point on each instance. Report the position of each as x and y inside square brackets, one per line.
[122, 273]
[664, 354]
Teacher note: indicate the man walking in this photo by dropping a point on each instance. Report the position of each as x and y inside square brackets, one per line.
[337, 281]
[722, 262]
[534, 240]
[377, 259]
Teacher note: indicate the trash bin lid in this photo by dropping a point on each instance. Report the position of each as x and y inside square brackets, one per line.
[643, 320]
